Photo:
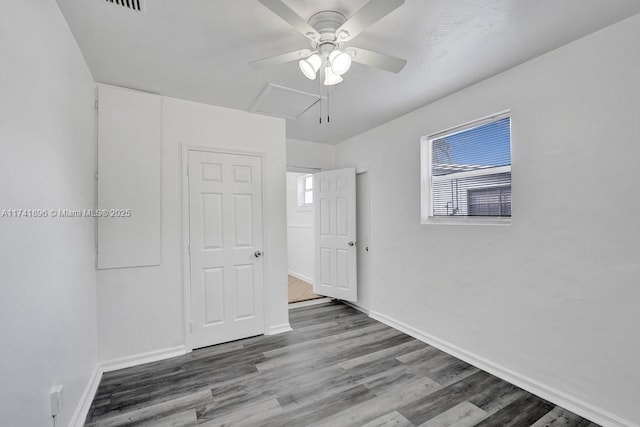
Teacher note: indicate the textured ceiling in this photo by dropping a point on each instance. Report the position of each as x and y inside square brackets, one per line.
[199, 50]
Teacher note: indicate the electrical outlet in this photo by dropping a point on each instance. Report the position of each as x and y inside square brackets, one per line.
[56, 400]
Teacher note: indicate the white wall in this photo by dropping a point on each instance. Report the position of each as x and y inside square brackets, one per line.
[300, 239]
[308, 154]
[141, 310]
[553, 297]
[47, 161]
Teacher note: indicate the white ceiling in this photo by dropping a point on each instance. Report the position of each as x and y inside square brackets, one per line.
[199, 50]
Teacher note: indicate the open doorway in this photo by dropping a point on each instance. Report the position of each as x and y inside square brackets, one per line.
[300, 240]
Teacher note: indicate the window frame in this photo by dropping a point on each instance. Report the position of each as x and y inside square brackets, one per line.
[302, 190]
[426, 194]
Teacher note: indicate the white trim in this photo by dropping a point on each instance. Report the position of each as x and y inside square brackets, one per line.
[302, 277]
[573, 404]
[470, 124]
[361, 171]
[278, 329]
[80, 414]
[310, 227]
[472, 174]
[309, 302]
[139, 359]
[186, 257]
[467, 220]
[426, 210]
[302, 169]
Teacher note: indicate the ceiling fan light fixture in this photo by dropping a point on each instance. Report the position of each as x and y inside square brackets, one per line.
[340, 62]
[310, 66]
[331, 78]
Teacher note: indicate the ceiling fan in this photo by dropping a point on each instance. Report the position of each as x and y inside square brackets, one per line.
[327, 31]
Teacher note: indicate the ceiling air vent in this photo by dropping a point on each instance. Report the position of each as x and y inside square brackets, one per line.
[136, 5]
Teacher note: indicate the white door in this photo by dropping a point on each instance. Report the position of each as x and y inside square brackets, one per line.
[334, 199]
[225, 241]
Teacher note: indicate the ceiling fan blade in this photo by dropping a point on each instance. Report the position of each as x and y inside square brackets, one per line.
[368, 14]
[292, 18]
[375, 59]
[280, 59]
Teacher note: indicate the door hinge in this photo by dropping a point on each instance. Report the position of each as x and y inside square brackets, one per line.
[189, 248]
[96, 104]
[95, 175]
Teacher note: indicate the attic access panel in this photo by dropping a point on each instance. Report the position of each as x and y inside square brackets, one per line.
[280, 101]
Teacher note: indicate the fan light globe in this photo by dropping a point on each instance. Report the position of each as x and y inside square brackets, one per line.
[310, 66]
[340, 62]
[331, 78]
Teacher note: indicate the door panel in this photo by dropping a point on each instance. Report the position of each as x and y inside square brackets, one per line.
[243, 215]
[335, 234]
[245, 301]
[225, 233]
[212, 221]
[214, 295]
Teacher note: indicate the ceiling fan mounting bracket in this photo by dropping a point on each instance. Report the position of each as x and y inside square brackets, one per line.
[326, 23]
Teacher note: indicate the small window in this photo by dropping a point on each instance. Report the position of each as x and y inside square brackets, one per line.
[305, 191]
[467, 172]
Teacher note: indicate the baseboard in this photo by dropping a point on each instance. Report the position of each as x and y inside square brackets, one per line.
[139, 359]
[360, 309]
[578, 406]
[278, 329]
[301, 277]
[80, 414]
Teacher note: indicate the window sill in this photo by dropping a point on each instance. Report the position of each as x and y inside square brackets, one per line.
[462, 220]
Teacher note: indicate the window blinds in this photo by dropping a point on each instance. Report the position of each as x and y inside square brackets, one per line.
[471, 170]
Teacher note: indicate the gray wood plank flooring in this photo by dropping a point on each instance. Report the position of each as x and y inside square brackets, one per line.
[336, 368]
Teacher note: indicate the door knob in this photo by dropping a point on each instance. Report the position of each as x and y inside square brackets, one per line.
[351, 243]
[257, 254]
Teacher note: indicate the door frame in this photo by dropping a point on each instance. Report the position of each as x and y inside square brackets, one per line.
[300, 170]
[186, 258]
[362, 171]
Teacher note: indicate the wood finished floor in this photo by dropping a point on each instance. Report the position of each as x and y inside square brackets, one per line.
[299, 290]
[336, 368]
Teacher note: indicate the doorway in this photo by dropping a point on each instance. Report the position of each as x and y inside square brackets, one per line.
[301, 235]
[300, 239]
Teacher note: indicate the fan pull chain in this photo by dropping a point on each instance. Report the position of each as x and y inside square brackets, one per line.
[320, 91]
[328, 116]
